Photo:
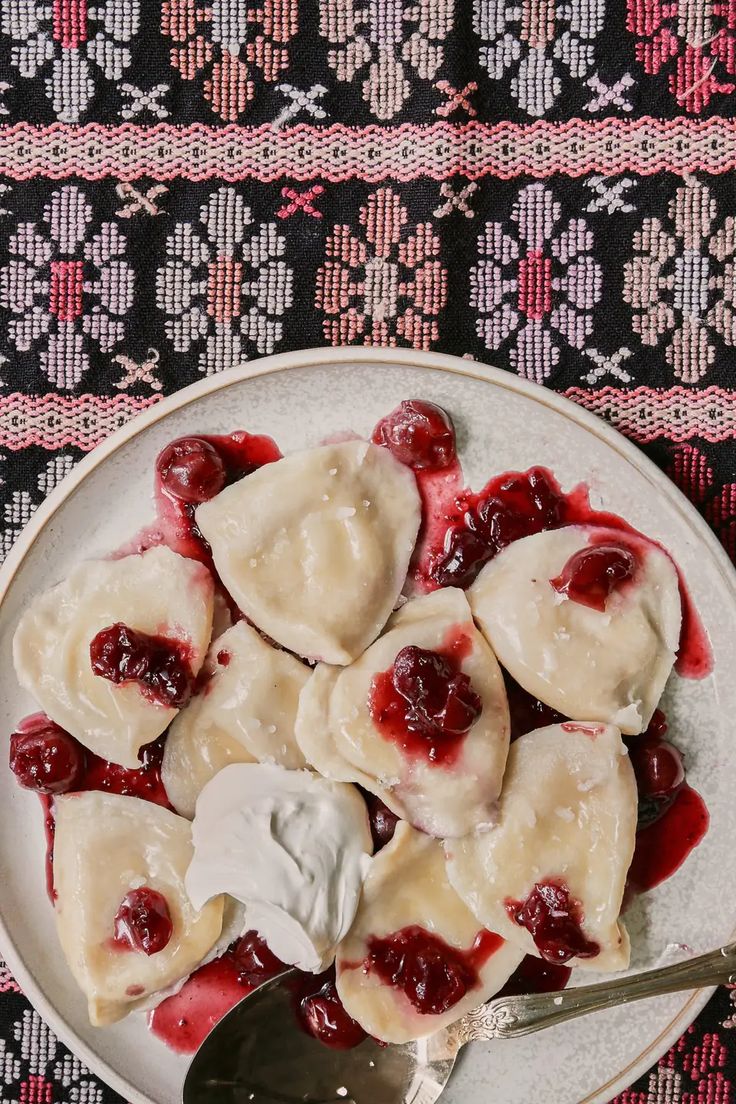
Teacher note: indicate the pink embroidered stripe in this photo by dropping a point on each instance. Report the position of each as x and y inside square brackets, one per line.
[53, 421]
[677, 413]
[339, 152]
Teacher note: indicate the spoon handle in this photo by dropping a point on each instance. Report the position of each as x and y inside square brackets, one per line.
[508, 1017]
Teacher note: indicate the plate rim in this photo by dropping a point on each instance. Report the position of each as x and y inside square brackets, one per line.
[304, 358]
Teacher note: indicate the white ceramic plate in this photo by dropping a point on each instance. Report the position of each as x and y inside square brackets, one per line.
[301, 398]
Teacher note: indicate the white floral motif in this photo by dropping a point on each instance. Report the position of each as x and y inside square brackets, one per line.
[226, 285]
[71, 43]
[17, 512]
[535, 39]
[387, 40]
[537, 285]
[681, 281]
[66, 286]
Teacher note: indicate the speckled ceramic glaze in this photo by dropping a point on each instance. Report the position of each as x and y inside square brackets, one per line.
[502, 423]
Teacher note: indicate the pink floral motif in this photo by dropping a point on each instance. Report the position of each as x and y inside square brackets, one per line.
[681, 282]
[535, 285]
[224, 285]
[233, 41]
[66, 287]
[70, 42]
[388, 41]
[694, 40]
[386, 287]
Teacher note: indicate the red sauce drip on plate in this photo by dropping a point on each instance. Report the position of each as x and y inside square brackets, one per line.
[424, 702]
[433, 975]
[554, 921]
[185, 1020]
[49, 827]
[662, 846]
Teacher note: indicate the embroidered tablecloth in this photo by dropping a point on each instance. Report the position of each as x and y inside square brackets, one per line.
[543, 184]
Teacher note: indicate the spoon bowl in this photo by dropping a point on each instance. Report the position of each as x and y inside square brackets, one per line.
[258, 1054]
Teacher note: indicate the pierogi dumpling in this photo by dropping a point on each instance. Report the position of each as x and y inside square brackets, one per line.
[607, 664]
[156, 592]
[107, 846]
[315, 547]
[564, 838]
[244, 713]
[416, 959]
[444, 786]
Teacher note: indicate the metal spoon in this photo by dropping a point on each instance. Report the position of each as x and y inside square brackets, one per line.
[258, 1054]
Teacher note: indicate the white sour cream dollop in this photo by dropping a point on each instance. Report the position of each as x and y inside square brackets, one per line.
[292, 847]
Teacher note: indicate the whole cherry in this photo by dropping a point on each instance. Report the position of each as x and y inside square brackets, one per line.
[45, 758]
[191, 469]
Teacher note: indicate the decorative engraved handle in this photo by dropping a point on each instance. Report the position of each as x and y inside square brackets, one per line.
[507, 1017]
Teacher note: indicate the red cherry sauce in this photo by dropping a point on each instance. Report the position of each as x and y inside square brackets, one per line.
[673, 818]
[383, 822]
[424, 702]
[432, 975]
[143, 922]
[554, 921]
[320, 1012]
[49, 827]
[185, 1020]
[663, 845]
[191, 470]
[160, 665]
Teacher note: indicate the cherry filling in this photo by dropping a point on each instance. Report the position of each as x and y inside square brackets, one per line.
[591, 575]
[554, 922]
[45, 758]
[431, 974]
[512, 506]
[321, 1013]
[143, 921]
[158, 664]
[383, 822]
[419, 434]
[425, 703]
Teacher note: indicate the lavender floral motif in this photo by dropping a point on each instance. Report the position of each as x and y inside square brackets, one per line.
[536, 40]
[71, 43]
[536, 285]
[681, 283]
[225, 285]
[388, 41]
[66, 287]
